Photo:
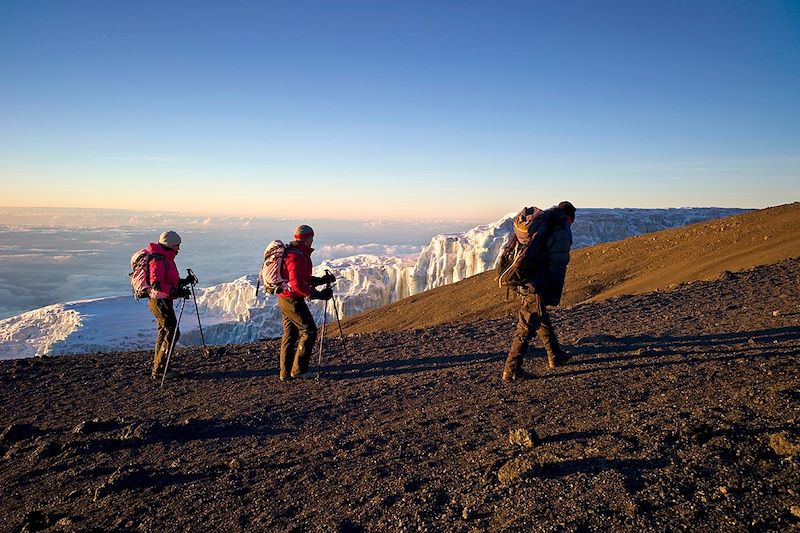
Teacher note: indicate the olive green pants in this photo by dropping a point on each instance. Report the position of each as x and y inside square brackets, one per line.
[167, 322]
[531, 319]
[299, 334]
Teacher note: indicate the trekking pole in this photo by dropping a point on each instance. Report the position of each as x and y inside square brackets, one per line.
[341, 332]
[339, 322]
[197, 310]
[322, 337]
[172, 344]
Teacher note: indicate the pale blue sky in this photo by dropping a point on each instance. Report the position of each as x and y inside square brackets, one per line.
[368, 109]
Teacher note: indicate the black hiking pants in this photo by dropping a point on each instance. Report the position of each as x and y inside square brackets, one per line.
[164, 312]
[299, 334]
[531, 319]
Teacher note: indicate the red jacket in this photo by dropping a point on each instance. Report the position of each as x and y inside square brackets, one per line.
[165, 272]
[297, 269]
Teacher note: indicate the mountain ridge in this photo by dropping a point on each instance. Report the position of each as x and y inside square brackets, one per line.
[654, 261]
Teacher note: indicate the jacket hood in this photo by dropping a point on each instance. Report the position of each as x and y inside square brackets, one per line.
[156, 248]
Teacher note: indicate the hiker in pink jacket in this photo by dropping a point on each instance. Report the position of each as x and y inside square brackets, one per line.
[167, 285]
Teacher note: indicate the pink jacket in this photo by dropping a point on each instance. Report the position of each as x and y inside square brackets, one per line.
[164, 272]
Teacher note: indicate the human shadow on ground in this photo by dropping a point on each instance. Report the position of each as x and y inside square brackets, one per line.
[398, 367]
[391, 367]
[702, 348]
[609, 343]
[243, 373]
[694, 348]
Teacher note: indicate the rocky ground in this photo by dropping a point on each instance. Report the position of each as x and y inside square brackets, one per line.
[677, 412]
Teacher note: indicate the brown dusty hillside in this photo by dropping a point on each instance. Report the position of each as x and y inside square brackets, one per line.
[654, 261]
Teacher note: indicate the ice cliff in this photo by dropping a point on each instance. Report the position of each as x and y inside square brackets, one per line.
[232, 313]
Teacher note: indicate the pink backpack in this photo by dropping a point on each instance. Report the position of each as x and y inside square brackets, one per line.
[271, 270]
[140, 273]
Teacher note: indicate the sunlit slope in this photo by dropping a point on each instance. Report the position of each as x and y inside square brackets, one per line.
[637, 265]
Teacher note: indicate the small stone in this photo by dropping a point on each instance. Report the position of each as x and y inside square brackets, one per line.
[723, 489]
[466, 514]
[781, 445]
[64, 522]
[776, 313]
[234, 464]
[523, 437]
[795, 510]
[517, 468]
[81, 428]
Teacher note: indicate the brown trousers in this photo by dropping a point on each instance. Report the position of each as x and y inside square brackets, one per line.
[164, 312]
[532, 318]
[299, 334]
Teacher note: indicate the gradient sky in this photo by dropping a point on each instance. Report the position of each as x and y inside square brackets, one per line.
[412, 110]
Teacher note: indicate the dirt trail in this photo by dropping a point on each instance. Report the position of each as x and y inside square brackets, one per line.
[678, 412]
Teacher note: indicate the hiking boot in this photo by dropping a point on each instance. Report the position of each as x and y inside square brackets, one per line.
[156, 376]
[557, 359]
[518, 375]
[521, 375]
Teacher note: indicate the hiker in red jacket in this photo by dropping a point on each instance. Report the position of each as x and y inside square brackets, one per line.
[299, 329]
[167, 285]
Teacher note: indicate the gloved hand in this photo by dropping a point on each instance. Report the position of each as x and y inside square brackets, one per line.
[325, 294]
[191, 279]
[181, 292]
[328, 278]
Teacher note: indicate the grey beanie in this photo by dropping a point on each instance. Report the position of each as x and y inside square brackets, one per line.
[170, 239]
